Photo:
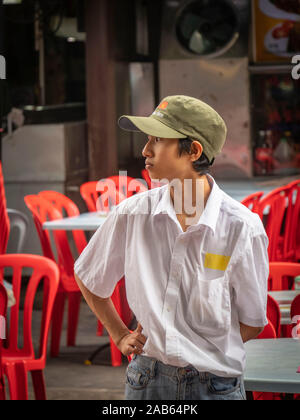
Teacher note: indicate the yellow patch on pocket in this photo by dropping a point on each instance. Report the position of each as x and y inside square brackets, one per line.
[216, 262]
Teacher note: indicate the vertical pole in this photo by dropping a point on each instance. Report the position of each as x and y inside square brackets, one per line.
[101, 90]
[39, 46]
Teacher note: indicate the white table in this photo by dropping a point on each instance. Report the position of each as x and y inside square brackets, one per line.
[85, 221]
[271, 365]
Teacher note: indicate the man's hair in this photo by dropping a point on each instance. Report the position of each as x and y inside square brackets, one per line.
[202, 165]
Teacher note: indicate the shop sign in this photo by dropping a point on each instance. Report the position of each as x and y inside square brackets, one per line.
[276, 30]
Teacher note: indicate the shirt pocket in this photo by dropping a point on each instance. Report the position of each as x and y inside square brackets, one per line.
[212, 305]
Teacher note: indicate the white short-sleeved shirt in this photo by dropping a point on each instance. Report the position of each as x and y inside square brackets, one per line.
[189, 290]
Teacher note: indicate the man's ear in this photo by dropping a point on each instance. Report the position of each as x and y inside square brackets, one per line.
[196, 149]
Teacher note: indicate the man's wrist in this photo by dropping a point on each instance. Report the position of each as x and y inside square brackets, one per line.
[121, 336]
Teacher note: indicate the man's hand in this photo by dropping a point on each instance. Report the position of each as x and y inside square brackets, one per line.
[132, 342]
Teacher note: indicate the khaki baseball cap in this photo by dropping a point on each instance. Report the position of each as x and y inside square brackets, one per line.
[180, 117]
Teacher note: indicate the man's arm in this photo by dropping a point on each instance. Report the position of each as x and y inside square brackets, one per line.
[249, 333]
[105, 311]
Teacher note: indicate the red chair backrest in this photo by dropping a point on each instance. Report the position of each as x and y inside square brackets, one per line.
[109, 195]
[43, 211]
[101, 195]
[290, 220]
[113, 190]
[268, 332]
[65, 204]
[128, 185]
[292, 223]
[4, 220]
[43, 269]
[278, 270]
[3, 308]
[252, 200]
[274, 315]
[39, 215]
[273, 225]
[89, 194]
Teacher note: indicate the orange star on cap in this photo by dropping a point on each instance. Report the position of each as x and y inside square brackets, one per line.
[163, 105]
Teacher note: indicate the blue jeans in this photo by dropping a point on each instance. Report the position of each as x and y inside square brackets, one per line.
[149, 379]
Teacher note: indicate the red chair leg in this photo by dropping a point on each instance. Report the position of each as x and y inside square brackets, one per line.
[17, 379]
[39, 386]
[286, 331]
[57, 320]
[2, 390]
[116, 355]
[73, 316]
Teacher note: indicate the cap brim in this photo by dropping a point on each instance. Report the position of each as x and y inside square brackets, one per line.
[149, 126]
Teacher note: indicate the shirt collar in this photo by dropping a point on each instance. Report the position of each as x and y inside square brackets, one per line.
[210, 213]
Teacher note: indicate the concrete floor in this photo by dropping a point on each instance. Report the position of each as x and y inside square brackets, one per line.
[68, 378]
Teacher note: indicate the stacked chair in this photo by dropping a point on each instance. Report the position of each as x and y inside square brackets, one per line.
[17, 360]
[3, 308]
[41, 211]
[279, 210]
[252, 201]
[4, 219]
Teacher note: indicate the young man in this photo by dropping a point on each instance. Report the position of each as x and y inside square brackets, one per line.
[196, 278]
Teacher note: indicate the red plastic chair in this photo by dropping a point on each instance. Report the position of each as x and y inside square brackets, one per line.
[109, 195]
[273, 224]
[274, 315]
[286, 250]
[286, 241]
[251, 201]
[279, 273]
[128, 185]
[291, 245]
[42, 210]
[3, 308]
[151, 184]
[17, 362]
[66, 205]
[268, 332]
[4, 219]
[91, 193]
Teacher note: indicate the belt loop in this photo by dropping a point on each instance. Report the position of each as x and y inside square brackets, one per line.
[152, 368]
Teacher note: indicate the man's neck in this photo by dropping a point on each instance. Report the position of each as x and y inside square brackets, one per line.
[194, 195]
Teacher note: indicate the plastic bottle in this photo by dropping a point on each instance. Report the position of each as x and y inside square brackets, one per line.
[269, 139]
[262, 135]
[297, 283]
[283, 152]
